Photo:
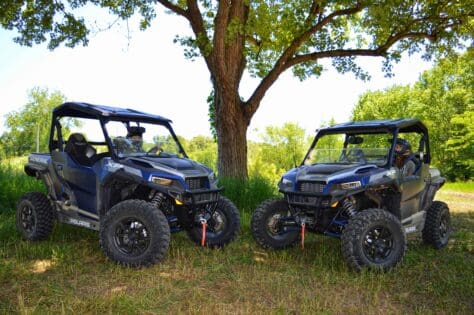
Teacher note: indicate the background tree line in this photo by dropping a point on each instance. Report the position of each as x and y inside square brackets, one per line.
[442, 98]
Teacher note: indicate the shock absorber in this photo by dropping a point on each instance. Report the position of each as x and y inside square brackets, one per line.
[157, 200]
[348, 205]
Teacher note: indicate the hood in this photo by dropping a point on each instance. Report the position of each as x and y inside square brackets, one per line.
[325, 169]
[330, 172]
[333, 172]
[176, 166]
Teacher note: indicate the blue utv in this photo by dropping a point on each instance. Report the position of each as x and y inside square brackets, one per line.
[125, 174]
[351, 185]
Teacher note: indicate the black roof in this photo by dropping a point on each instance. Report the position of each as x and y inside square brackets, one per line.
[85, 110]
[404, 125]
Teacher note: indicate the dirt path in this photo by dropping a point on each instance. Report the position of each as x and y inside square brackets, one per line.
[457, 201]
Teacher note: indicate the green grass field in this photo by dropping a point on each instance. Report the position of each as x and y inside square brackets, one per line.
[70, 274]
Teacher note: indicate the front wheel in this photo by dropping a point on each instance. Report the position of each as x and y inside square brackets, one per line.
[134, 233]
[222, 226]
[269, 225]
[437, 225]
[373, 239]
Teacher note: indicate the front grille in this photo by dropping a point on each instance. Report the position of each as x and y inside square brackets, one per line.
[310, 201]
[311, 187]
[303, 200]
[195, 183]
[206, 197]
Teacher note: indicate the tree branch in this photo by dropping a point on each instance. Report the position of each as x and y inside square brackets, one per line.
[235, 57]
[174, 8]
[297, 42]
[252, 40]
[220, 28]
[281, 65]
[313, 11]
[199, 30]
[380, 51]
[195, 18]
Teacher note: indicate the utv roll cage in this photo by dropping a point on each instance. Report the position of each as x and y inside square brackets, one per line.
[104, 114]
[393, 126]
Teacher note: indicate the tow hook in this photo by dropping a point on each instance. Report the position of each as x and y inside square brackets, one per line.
[203, 224]
[303, 227]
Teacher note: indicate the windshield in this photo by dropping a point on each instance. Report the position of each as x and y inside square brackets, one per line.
[351, 149]
[140, 139]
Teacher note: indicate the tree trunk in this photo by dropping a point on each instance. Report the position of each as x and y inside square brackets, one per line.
[231, 125]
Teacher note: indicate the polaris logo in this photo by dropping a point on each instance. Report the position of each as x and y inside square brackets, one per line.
[79, 223]
[410, 229]
[38, 159]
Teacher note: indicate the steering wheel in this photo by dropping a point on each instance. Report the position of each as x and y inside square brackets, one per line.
[356, 155]
[154, 150]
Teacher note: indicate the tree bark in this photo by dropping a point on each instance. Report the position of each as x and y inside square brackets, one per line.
[231, 125]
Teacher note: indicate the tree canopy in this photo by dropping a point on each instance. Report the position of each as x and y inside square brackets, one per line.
[443, 98]
[279, 149]
[264, 38]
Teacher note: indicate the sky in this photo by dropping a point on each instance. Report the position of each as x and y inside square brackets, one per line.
[146, 71]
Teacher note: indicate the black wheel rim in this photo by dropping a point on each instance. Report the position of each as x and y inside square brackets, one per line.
[216, 224]
[444, 226]
[131, 237]
[28, 218]
[275, 224]
[378, 244]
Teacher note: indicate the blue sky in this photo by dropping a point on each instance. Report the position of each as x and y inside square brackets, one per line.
[150, 73]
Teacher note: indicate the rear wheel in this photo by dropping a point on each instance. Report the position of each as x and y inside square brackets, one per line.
[437, 225]
[134, 233]
[268, 225]
[222, 224]
[35, 216]
[373, 239]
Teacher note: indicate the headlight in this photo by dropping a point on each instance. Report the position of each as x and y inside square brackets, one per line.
[161, 181]
[392, 173]
[286, 182]
[350, 185]
[212, 177]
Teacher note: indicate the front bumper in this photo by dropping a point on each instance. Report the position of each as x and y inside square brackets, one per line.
[198, 197]
[307, 199]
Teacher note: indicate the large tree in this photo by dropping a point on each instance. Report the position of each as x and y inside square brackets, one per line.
[265, 38]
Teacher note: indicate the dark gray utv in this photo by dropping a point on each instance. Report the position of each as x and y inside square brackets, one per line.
[348, 187]
[134, 192]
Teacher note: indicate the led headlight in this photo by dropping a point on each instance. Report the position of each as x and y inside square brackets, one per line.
[161, 181]
[212, 177]
[392, 173]
[350, 185]
[286, 182]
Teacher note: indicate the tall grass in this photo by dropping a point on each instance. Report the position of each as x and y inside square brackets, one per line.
[14, 183]
[248, 194]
